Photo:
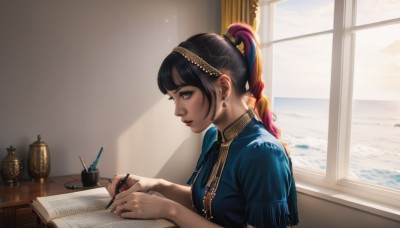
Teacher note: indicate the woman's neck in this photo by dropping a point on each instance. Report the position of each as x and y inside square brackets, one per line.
[229, 114]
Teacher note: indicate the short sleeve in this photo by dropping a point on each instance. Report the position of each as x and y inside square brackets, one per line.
[265, 176]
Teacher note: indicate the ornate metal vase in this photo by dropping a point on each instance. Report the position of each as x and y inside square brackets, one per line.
[39, 160]
[12, 168]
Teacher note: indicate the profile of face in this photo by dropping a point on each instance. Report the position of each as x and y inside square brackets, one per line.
[190, 105]
[192, 76]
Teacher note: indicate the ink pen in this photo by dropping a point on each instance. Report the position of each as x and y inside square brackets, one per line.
[96, 161]
[119, 185]
[83, 164]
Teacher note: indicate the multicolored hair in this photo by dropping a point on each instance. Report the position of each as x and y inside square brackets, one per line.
[237, 34]
[223, 54]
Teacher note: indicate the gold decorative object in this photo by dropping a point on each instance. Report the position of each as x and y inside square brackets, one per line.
[38, 161]
[12, 168]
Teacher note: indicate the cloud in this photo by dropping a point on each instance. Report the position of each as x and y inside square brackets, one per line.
[294, 19]
[392, 49]
[302, 66]
[369, 11]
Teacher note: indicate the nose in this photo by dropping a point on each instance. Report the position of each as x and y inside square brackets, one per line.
[179, 110]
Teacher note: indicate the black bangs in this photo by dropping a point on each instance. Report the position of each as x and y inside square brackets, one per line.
[189, 75]
[165, 80]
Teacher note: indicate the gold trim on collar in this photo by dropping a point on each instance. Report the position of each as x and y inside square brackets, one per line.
[236, 127]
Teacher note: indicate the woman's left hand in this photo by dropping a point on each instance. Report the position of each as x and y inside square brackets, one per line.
[140, 205]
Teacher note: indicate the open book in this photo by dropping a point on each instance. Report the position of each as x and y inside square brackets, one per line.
[86, 209]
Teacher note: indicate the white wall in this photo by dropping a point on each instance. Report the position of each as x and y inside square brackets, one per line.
[83, 75]
[317, 212]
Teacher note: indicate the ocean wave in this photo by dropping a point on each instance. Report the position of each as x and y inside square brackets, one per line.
[315, 144]
[302, 146]
[306, 143]
[374, 147]
[383, 177]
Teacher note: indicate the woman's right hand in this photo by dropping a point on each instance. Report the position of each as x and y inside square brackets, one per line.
[133, 184]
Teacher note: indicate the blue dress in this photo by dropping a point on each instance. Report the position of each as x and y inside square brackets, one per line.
[256, 186]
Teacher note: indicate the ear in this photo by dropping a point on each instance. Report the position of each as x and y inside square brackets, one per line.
[225, 84]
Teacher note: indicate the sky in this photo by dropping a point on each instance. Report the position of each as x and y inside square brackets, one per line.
[308, 61]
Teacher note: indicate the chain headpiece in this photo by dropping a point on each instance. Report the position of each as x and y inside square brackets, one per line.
[199, 62]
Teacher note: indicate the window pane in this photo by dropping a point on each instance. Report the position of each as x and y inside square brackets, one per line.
[369, 11]
[301, 78]
[375, 137]
[299, 17]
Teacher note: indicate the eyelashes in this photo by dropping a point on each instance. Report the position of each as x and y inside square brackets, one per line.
[183, 94]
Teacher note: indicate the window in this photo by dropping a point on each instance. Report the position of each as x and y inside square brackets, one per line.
[332, 71]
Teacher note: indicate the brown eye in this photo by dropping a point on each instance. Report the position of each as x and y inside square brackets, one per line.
[186, 94]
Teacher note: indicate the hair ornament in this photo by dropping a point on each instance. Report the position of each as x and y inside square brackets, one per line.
[198, 61]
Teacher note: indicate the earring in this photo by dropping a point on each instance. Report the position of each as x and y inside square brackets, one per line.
[223, 102]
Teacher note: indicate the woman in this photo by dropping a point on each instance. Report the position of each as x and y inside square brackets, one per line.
[243, 177]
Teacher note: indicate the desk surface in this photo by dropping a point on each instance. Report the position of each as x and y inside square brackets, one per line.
[26, 191]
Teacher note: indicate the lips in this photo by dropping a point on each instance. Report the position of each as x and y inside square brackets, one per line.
[187, 122]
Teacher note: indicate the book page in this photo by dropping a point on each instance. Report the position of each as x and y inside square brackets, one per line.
[107, 219]
[72, 203]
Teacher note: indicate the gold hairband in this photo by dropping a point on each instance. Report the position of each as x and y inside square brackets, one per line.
[196, 60]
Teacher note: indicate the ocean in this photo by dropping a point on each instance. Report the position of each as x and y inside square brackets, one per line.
[375, 137]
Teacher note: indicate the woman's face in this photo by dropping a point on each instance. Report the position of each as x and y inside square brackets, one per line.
[191, 106]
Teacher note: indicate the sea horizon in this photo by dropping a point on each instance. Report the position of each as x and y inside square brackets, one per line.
[375, 137]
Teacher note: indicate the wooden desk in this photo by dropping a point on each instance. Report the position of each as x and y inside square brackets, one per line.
[14, 200]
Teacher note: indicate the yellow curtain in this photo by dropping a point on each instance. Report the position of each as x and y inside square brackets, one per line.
[238, 11]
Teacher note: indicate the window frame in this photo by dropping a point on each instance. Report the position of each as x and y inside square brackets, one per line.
[340, 101]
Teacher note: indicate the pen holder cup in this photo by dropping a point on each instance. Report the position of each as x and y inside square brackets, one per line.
[90, 179]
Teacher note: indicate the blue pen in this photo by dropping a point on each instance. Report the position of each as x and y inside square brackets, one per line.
[96, 161]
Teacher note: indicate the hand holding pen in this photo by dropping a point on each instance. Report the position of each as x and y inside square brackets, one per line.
[118, 188]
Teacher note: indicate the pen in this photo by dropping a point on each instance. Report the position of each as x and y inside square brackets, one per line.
[96, 161]
[119, 185]
[83, 164]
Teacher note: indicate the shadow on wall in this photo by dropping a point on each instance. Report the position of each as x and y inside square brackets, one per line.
[158, 142]
[186, 156]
